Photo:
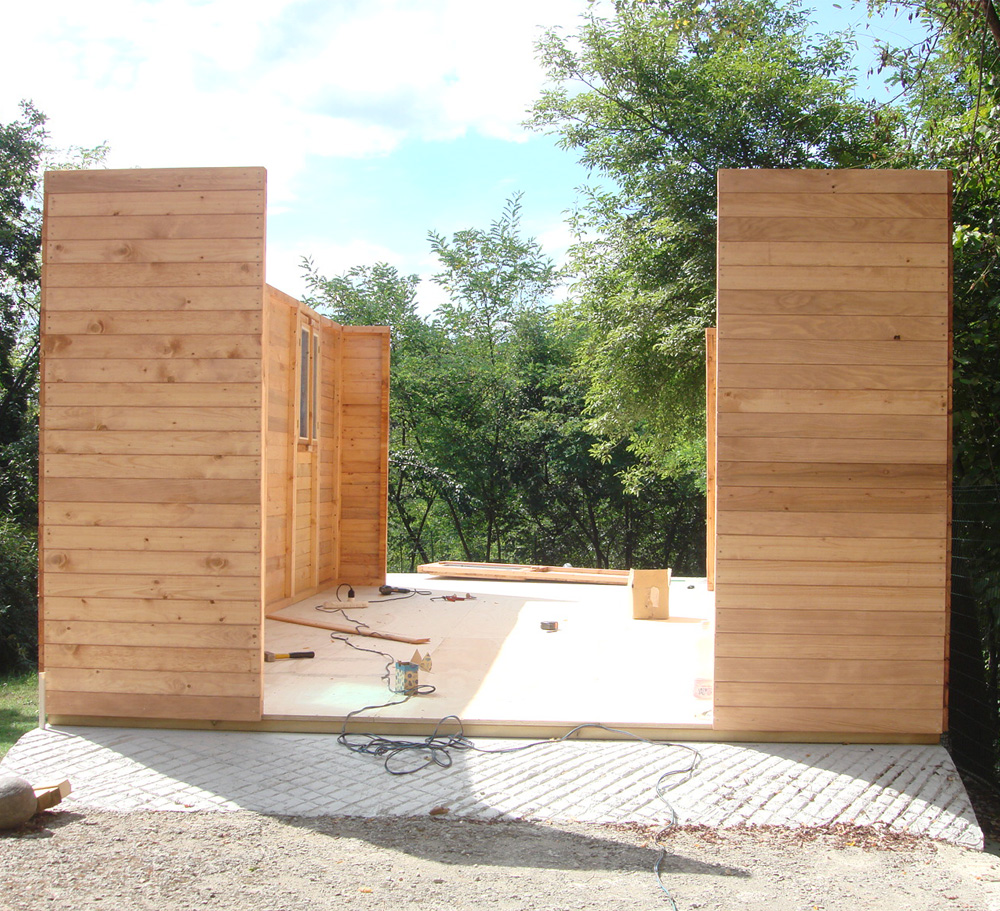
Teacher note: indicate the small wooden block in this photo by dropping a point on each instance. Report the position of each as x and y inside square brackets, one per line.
[49, 795]
[650, 591]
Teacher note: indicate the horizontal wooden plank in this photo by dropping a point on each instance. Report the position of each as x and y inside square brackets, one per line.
[779, 645]
[177, 683]
[147, 322]
[830, 278]
[822, 721]
[768, 670]
[834, 205]
[832, 401]
[181, 708]
[816, 597]
[188, 658]
[870, 525]
[844, 328]
[808, 352]
[869, 451]
[129, 490]
[155, 419]
[153, 227]
[833, 499]
[896, 303]
[200, 540]
[874, 623]
[829, 548]
[172, 635]
[152, 346]
[779, 253]
[135, 467]
[185, 202]
[153, 275]
[847, 229]
[161, 370]
[859, 427]
[125, 180]
[167, 250]
[149, 610]
[821, 572]
[142, 442]
[829, 695]
[833, 376]
[167, 563]
[176, 299]
[120, 514]
[845, 474]
[214, 395]
[838, 180]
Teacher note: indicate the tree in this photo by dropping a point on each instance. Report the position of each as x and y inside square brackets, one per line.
[656, 98]
[22, 148]
[24, 154]
[489, 455]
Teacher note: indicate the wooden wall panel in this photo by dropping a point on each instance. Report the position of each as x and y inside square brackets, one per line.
[309, 479]
[364, 452]
[151, 428]
[832, 472]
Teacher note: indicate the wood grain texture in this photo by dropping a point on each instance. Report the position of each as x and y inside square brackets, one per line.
[833, 401]
[833, 451]
[128, 705]
[168, 180]
[840, 180]
[186, 202]
[824, 302]
[805, 229]
[151, 451]
[776, 595]
[818, 206]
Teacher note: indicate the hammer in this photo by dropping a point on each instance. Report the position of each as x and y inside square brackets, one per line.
[276, 656]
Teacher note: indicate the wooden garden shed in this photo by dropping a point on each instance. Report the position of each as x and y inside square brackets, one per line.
[212, 450]
[210, 447]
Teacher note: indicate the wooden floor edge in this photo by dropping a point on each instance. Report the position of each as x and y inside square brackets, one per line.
[702, 734]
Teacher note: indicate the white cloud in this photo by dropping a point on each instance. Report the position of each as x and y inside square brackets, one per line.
[212, 82]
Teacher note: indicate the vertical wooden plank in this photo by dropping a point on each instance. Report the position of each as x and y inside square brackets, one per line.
[711, 412]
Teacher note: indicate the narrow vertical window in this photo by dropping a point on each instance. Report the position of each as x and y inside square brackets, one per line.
[315, 387]
[304, 373]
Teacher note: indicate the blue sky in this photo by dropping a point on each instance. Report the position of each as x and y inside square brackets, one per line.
[376, 119]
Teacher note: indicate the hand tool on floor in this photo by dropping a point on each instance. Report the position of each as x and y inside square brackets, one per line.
[278, 656]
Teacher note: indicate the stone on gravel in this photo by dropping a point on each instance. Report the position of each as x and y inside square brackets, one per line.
[17, 801]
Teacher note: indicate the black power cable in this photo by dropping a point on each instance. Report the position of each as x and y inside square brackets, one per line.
[437, 750]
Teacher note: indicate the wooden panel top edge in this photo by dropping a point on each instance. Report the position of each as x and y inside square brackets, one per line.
[155, 179]
[847, 180]
[277, 295]
[367, 330]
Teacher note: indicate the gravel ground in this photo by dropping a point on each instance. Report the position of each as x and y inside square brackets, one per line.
[227, 861]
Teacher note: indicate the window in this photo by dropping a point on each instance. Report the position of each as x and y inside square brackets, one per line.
[308, 384]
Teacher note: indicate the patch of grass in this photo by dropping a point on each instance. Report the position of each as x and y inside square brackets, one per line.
[18, 708]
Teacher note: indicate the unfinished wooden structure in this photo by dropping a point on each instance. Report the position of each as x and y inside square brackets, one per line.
[210, 447]
[832, 463]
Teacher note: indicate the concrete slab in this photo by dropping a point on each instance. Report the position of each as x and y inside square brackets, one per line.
[913, 789]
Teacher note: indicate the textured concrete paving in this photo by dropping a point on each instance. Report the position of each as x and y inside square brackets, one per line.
[907, 788]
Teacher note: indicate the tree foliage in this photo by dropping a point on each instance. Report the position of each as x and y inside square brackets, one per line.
[656, 98]
[490, 456]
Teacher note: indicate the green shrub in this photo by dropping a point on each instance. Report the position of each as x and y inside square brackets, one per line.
[18, 597]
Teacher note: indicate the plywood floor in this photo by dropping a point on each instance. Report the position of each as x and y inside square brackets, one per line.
[493, 665]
